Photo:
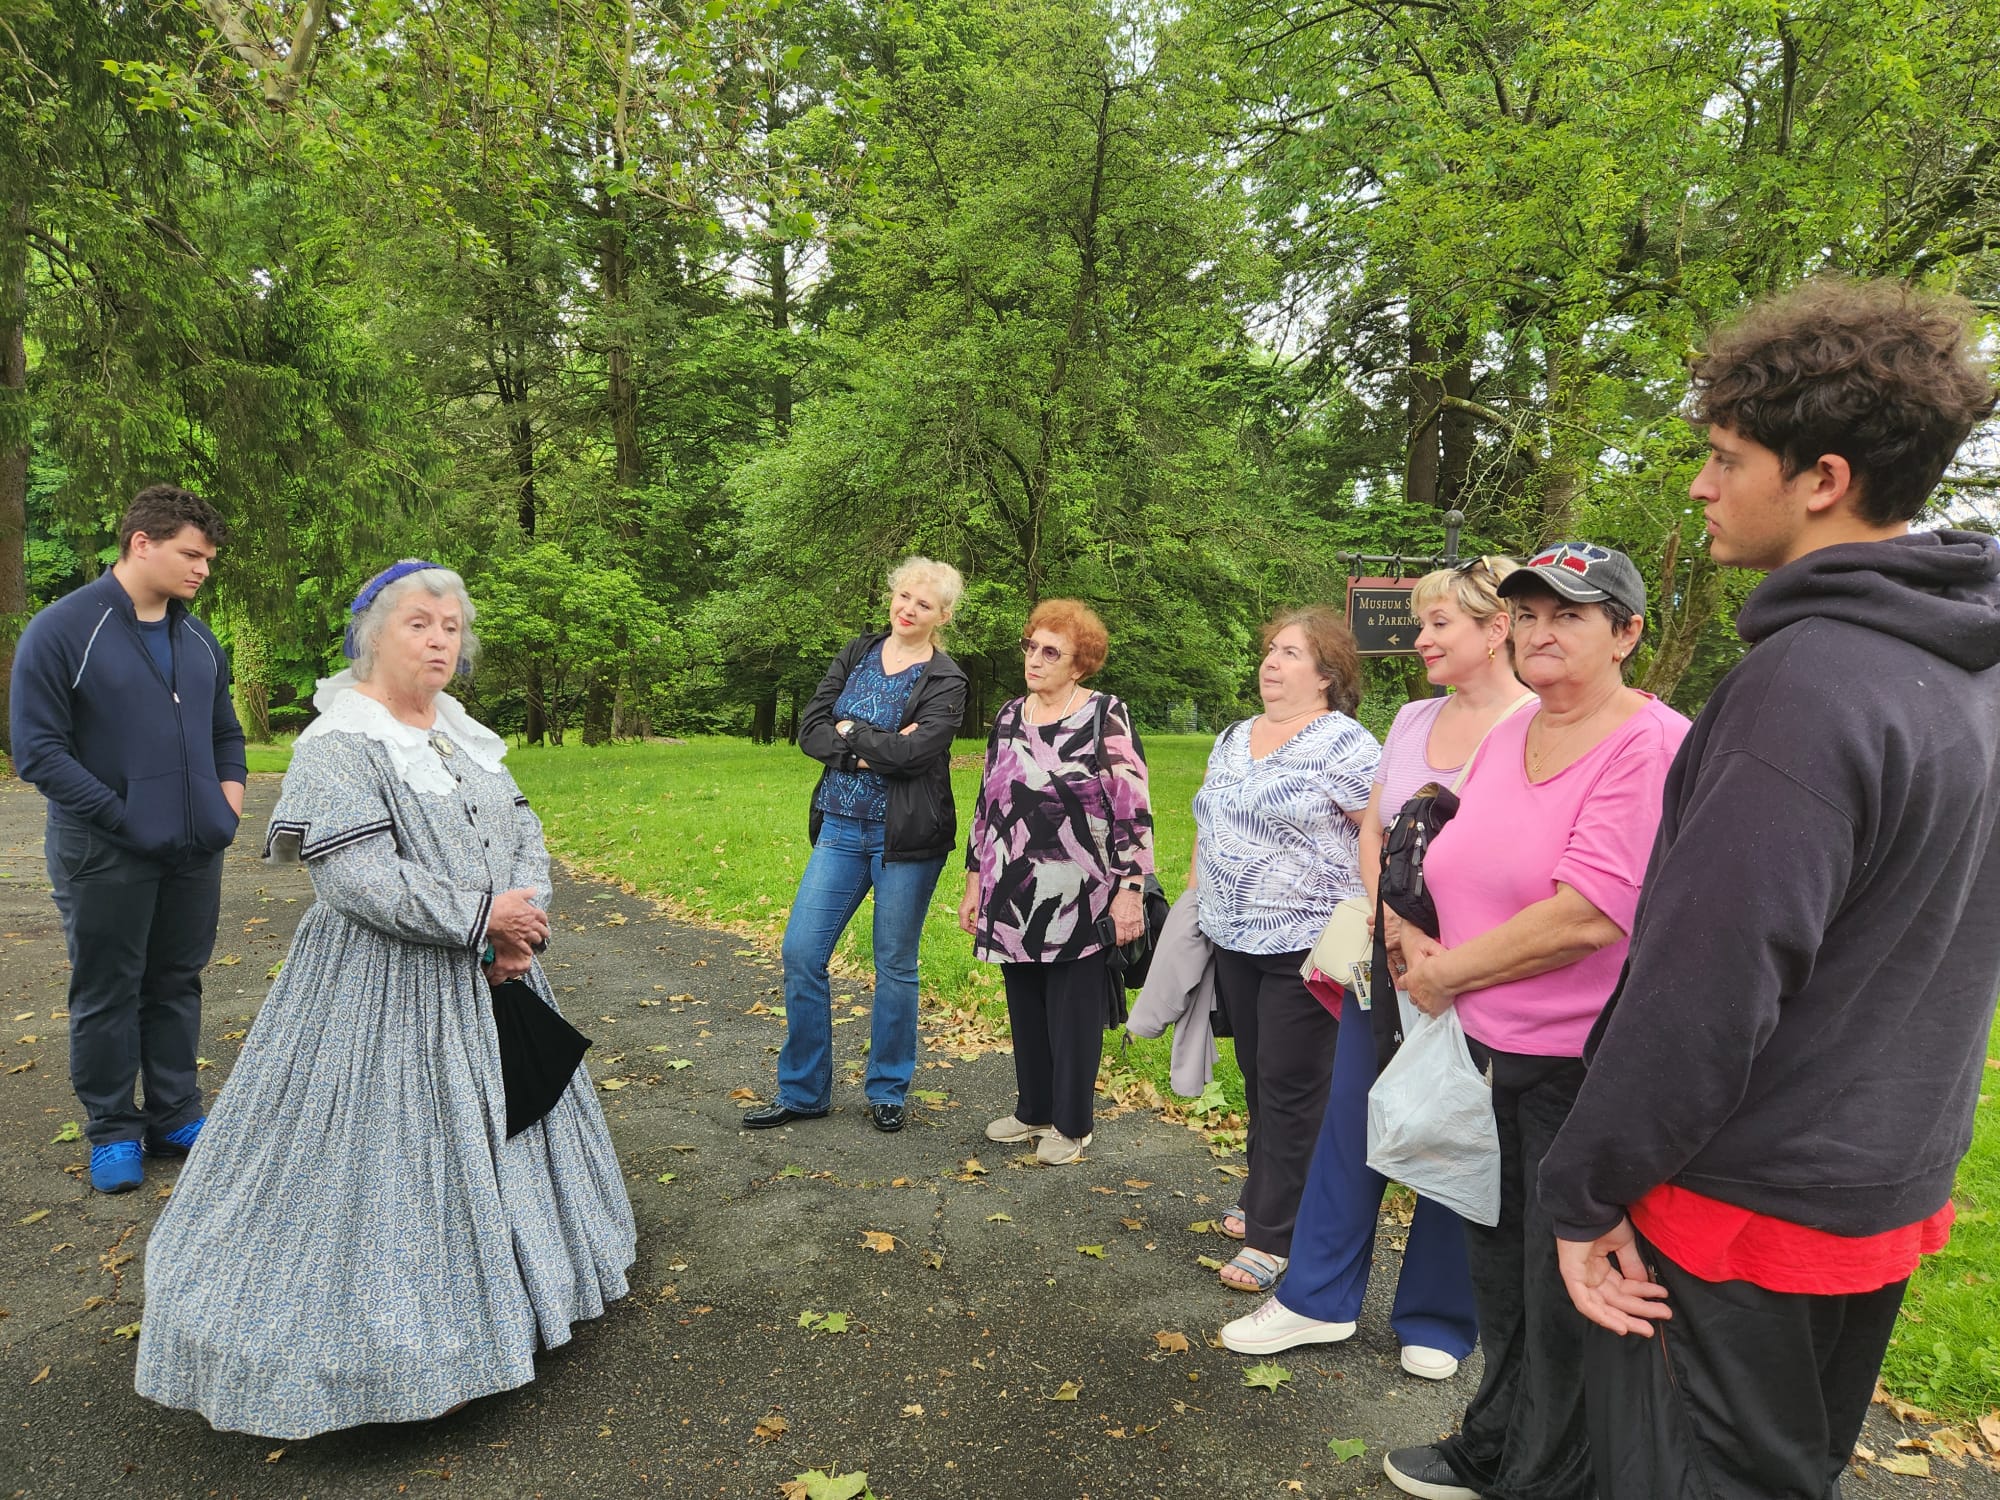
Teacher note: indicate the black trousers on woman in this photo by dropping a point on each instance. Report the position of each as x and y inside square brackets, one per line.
[1284, 1045]
[1057, 1013]
[1524, 1435]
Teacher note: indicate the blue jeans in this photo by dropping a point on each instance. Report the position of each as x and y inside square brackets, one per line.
[845, 863]
[1334, 1242]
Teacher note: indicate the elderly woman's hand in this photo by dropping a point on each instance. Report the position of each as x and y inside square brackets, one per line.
[516, 919]
[1422, 974]
[511, 960]
[968, 906]
[1128, 915]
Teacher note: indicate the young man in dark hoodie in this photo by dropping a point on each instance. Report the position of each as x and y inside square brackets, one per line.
[122, 720]
[1782, 1086]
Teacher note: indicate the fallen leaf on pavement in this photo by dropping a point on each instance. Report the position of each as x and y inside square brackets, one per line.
[129, 1331]
[1133, 1223]
[34, 1218]
[878, 1241]
[1095, 1252]
[817, 1485]
[666, 1177]
[750, 1094]
[1208, 1262]
[1137, 1184]
[913, 1410]
[611, 1085]
[1989, 1428]
[1266, 1377]
[274, 1455]
[990, 1218]
[1343, 1449]
[1173, 1343]
[1069, 1390]
[40, 1375]
[772, 1427]
[1916, 1465]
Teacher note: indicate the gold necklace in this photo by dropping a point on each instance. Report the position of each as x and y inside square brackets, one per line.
[1560, 736]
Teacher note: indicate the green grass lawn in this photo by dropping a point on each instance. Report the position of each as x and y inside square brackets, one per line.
[718, 828]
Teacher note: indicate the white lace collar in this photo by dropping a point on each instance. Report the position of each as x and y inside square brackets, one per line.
[343, 709]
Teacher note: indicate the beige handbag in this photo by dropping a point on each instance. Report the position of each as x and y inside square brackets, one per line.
[1346, 949]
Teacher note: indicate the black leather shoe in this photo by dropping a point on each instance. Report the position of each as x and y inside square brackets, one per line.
[888, 1118]
[770, 1116]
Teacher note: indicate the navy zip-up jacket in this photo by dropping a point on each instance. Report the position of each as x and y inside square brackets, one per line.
[113, 744]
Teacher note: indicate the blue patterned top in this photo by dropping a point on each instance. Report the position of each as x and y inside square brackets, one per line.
[871, 696]
[1278, 850]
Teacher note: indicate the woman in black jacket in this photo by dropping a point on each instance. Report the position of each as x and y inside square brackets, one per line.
[882, 817]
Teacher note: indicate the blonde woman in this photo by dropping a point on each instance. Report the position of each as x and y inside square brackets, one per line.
[1463, 640]
[882, 819]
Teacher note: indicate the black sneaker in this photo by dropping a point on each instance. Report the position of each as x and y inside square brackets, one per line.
[1424, 1472]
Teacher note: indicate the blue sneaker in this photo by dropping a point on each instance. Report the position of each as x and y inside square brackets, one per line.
[176, 1143]
[116, 1168]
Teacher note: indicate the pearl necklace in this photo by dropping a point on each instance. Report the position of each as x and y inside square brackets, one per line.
[1029, 712]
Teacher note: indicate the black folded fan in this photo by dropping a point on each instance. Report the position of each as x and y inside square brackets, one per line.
[539, 1053]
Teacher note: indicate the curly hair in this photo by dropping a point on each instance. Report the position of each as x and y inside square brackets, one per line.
[1335, 653]
[162, 511]
[1077, 623]
[1875, 372]
[942, 577]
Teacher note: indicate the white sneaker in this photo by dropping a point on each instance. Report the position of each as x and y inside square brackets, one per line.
[1428, 1364]
[1011, 1129]
[1274, 1326]
[1058, 1150]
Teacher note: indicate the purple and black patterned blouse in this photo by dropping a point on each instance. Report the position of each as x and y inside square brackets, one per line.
[1053, 831]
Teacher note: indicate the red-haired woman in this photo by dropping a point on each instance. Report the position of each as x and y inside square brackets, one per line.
[1277, 848]
[1062, 843]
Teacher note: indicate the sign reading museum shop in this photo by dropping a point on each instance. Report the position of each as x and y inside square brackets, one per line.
[1378, 610]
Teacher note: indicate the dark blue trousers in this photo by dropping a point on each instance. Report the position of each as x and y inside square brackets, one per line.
[1334, 1243]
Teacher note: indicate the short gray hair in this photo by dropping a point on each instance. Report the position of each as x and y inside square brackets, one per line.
[439, 583]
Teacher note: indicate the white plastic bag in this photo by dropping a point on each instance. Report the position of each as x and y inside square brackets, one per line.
[1430, 1122]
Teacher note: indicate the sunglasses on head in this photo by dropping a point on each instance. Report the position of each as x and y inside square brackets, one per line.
[1477, 564]
[1047, 655]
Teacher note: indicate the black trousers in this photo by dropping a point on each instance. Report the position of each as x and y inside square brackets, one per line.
[139, 934]
[1284, 1045]
[1056, 1012]
[1524, 1435]
[1744, 1394]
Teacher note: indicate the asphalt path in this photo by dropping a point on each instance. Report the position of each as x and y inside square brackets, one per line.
[928, 1308]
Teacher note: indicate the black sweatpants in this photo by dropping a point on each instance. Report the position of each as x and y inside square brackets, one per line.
[1524, 1437]
[1743, 1394]
[1284, 1045]
[1057, 1013]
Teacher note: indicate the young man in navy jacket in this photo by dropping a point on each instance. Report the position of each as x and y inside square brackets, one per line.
[122, 720]
[1782, 1085]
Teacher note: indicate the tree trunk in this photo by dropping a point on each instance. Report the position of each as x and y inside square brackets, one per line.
[16, 438]
[764, 720]
[1421, 465]
[1680, 627]
[1455, 423]
[781, 322]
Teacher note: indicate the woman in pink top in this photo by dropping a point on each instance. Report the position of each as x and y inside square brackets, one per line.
[1464, 644]
[1536, 880]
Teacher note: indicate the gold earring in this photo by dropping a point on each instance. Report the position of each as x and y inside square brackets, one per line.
[1489, 653]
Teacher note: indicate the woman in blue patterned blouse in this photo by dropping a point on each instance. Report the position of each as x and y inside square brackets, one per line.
[1277, 847]
[882, 818]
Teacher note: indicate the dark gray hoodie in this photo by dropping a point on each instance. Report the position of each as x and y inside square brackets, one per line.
[1802, 1022]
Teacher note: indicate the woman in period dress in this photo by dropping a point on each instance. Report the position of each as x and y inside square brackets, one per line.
[355, 1238]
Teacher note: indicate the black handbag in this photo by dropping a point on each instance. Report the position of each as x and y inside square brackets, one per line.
[1403, 848]
[539, 1052]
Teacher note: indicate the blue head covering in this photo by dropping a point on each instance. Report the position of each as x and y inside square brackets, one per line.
[370, 591]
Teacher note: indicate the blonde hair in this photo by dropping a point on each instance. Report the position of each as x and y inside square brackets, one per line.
[943, 578]
[1473, 587]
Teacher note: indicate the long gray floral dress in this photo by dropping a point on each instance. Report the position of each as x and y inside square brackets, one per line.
[354, 1239]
